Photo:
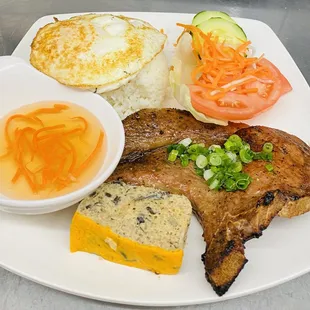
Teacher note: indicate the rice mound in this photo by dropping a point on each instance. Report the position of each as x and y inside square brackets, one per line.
[146, 90]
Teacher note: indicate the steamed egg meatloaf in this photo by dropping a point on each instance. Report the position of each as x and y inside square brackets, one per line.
[135, 226]
[100, 52]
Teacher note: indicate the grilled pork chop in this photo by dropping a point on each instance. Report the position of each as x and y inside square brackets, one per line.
[228, 218]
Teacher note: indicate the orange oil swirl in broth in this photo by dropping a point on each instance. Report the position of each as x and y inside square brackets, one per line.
[48, 149]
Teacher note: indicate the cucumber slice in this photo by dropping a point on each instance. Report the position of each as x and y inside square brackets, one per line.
[206, 15]
[224, 29]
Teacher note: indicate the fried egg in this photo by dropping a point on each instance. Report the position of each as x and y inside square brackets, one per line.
[100, 52]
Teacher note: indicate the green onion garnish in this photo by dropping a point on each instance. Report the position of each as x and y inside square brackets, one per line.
[235, 139]
[221, 167]
[269, 167]
[229, 145]
[171, 147]
[233, 143]
[173, 155]
[257, 155]
[236, 167]
[186, 142]
[266, 156]
[268, 147]
[230, 185]
[232, 156]
[214, 169]
[245, 155]
[214, 184]
[193, 157]
[194, 149]
[184, 160]
[181, 149]
[213, 147]
[242, 184]
[208, 174]
[246, 146]
[199, 171]
[215, 159]
[201, 161]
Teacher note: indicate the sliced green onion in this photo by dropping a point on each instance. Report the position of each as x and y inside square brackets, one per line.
[199, 171]
[237, 167]
[208, 174]
[214, 169]
[268, 147]
[246, 146]
[171, 147]
[232, 156]
[220, 176]
[193, 157]
[193, 149]
[205, 151]
[214, 184]
[269, 167]
[230, 185]
[229, 145]
[173, 155]
[221, 167]
[228, 174]
[184, 160]
[226, 161]
[242, 184]
[235, 139]
[180, 148]
[214, 146]
[219, 151]
[215, 159]
[233, 144]
[245, 156]
[257, 155]
[242, 176]
[186, 142]
[201, 161]
[266, 156]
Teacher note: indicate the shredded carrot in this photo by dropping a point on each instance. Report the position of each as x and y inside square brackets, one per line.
[56, 109]
[220, 68]
[178, 39]
[35, 136]
[97, 149]
[84, 121]
[16, 176]
[74, 157]
[218, 77]
[46, 156]
[8, 122]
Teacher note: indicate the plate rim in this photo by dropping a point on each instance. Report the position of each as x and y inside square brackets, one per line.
[155, 303]
[215, 299]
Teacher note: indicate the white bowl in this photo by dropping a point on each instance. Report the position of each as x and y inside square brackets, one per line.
[21, 84]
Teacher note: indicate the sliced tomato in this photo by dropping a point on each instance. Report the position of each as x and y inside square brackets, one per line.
[234, 106]
[286, 86]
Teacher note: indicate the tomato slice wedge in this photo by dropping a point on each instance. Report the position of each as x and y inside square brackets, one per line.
[286, 86]
[234, 106]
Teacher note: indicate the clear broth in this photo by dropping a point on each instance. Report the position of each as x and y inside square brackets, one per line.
[8, 167]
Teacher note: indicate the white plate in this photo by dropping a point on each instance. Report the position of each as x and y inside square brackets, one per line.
[38, 247]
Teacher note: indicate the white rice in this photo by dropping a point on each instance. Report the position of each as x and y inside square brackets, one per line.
[147, 90]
